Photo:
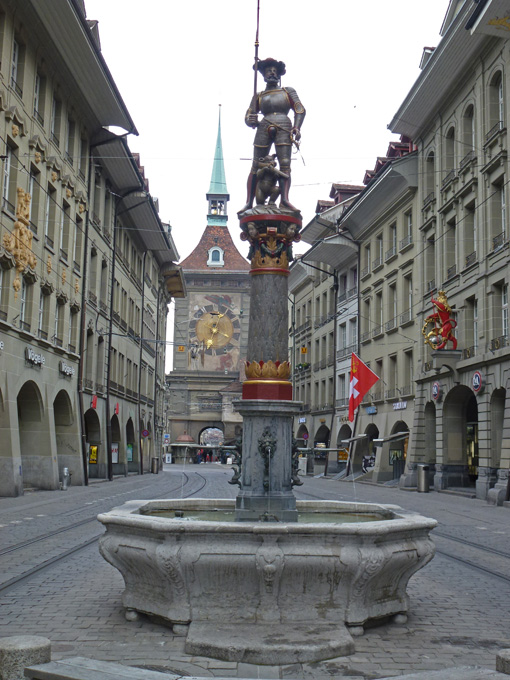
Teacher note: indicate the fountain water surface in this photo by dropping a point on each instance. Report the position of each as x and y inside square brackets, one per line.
[266, 588]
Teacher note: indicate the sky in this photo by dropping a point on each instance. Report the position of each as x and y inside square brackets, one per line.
[174, 62]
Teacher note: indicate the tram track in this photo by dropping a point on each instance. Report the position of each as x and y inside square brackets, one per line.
[46, 564]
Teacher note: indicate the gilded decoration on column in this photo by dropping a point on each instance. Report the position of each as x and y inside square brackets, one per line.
[76, 286]
[69, 193]
[64, 276]
[54, 176]
[81, 208]
[37, 157]
[270, 370]
[19, 242]
[15, 130]
[49, 265]
[270, 246]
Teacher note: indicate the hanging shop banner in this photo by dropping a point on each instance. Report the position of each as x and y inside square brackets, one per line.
[129, 452]
[115, 452]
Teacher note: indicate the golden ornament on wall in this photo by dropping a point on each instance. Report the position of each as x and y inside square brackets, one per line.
[76, 286]
[48, 264]
[37, 156]
[54, 176]
[19, 242]
[64, 276]
[69, 193]
[81, 208]
[15, 130]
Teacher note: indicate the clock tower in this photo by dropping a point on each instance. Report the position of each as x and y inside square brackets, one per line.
[210, 325]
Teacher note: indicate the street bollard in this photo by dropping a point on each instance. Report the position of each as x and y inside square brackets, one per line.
[423, 478]
[66, 478]
[20, 651]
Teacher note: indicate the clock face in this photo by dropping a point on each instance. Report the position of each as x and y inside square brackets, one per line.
[214, 329]
[214, 333]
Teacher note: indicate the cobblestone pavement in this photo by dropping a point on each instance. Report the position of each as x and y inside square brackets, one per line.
[457, 613]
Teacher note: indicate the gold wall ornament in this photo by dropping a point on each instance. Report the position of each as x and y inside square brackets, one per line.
[76, 286]
[54, 176]
[502, 23]
[81, 208]
[64, 276]
[69, 193]
[37, 157]
[19, 241]
[49, 265]
[15, 130]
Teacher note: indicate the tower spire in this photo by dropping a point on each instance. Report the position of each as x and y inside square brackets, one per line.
[218, 196]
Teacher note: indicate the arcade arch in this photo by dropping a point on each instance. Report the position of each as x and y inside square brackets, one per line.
[96, 453]
[460, 437]
[131, 448]
[497, 411]
[118, 467]
[34, 439]
[67, 435]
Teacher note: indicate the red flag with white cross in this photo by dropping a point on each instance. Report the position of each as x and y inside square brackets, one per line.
[362, 379]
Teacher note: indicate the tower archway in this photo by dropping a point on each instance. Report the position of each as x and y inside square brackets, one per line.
[67, 435]
[96, 452]
[34, 439]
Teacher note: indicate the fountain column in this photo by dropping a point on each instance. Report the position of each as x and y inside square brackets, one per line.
[267, 473]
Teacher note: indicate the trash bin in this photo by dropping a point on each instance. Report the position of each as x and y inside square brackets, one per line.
[154, 466]
[423, 478]
[66, 478]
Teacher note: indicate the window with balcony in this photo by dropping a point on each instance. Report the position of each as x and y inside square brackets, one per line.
[430, 263]
[50, 215]
[56, 120]
[468, 135]
[495, 105]
[408, 231]
[39, 97]
[392, 250]
[70, 140]
[367, 262]
[497, 201]
[379, 252]
[65, 231]
[430, 179]
[25, 315]
[4, 292]
[10, 179]
[470, 230]
[450, 249]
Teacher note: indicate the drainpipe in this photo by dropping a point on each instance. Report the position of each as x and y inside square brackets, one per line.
[140, 363]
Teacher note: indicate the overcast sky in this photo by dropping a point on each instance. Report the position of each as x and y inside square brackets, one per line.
[174, 62]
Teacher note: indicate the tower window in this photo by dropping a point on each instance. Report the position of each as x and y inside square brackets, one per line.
[215, 258]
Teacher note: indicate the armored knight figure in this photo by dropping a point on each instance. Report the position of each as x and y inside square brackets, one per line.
[274, 103]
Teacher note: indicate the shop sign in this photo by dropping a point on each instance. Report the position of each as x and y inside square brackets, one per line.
[115, 452]
[437, 391]
[302, 420]
[342, 455]
[371, 410]
[477, 382]
[129, 452]
[66, 369]
[33, 358]
[93, 455]
[399, 405]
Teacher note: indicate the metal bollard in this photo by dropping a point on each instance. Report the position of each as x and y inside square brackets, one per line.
[423, 478]
[66, 478]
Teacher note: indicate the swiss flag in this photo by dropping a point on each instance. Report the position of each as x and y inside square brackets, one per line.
[362, 379]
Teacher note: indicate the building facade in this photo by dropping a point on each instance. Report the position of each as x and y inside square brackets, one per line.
[458, 112]
[210, 326]
[68, 189]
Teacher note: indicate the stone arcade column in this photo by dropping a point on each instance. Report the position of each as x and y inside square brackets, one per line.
[268, 472]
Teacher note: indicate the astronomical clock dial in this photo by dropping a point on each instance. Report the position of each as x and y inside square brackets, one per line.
[215, 330]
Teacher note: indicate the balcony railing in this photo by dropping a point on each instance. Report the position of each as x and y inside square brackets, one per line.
[392, 393]
[92, 297]
[89, 384]
[58, 342]
[63, 255]
[8, 206]
[48, 241]
[391, 324]
[470, 259]
[71, 348]
[406, 390]
[331, 359]
[378, 330]
[352, 292]
[430, 285]
[469, 352]
[344, 401]
[494, 130]
[390, 253]
[377, 263]
[498, 343]
[33, 227]
[17, 88]
[365, 337]
[38, 117]
[451, 272]
[365, 271]
[448, 179]
[470, 156]
[498, 241]
[25, 326]
[405, 242]
[55, 138]
[103, 306]
[345, 351]
[405, 317]
[42, 334]
[428, 199]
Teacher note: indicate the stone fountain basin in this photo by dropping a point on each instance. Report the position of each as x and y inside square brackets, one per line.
[266, 593]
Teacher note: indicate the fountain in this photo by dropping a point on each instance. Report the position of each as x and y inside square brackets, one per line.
[267, 579]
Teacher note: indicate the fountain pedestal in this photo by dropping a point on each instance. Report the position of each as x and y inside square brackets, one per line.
[266, 476]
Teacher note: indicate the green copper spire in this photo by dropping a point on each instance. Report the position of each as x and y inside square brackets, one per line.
[217, 195]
